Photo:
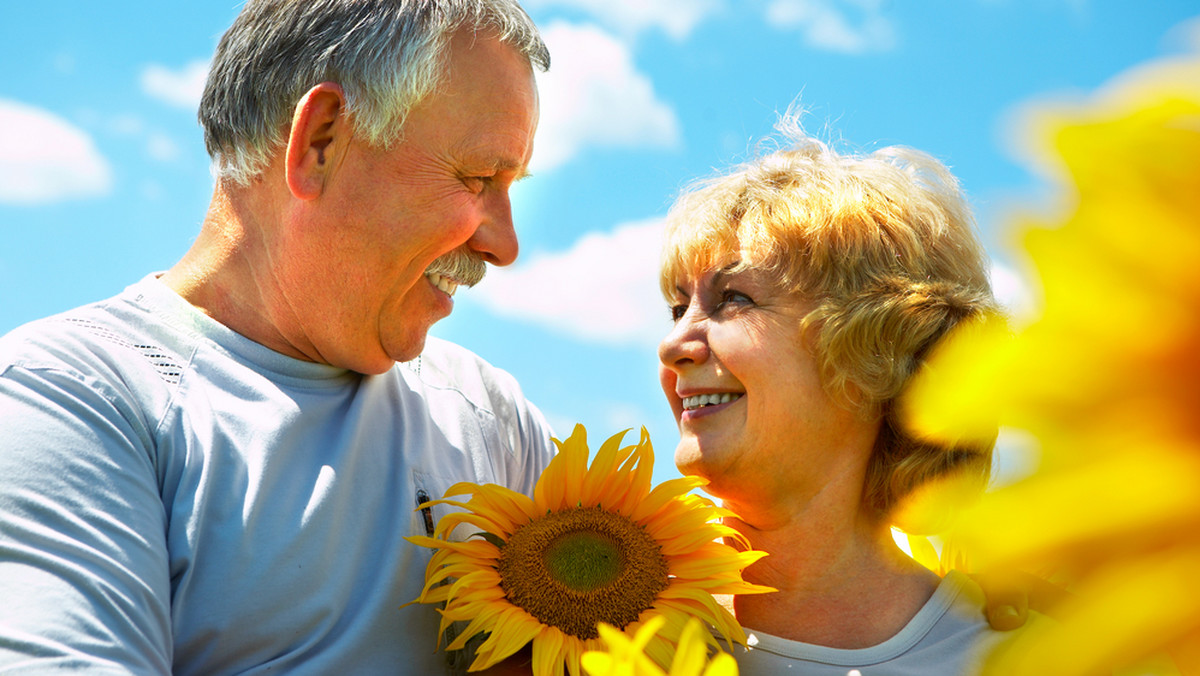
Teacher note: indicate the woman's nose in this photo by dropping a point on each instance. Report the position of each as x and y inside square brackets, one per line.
[686, 344]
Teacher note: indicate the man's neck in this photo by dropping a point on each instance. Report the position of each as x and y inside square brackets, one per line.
[222, 273]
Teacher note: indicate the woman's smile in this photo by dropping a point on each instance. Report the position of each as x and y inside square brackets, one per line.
[703, 405]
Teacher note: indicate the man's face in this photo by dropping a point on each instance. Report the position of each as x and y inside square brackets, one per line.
[358, 286]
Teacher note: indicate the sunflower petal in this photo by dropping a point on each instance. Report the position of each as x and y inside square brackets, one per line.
[548, 653]
[691, 654]
[485, 522]
[602, 469]
[722, 664]
[473, 548]
[484, 620]
[712, 559]
[514, 629]
[663, 493]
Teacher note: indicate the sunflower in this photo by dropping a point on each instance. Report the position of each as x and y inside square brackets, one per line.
[593, 545]
[625, 656]
[1106, 380]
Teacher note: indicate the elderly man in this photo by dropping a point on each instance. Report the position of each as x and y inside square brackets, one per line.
[213, 472]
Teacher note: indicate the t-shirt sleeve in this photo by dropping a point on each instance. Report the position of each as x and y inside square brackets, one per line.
[84, 578]
[536, 447]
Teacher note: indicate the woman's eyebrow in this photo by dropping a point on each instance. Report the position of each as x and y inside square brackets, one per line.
[720, 276]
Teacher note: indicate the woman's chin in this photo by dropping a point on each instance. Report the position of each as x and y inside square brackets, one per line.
[688, 460]
[692, 460]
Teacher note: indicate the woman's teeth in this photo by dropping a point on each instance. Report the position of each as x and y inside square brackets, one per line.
[444, 284]
[700, 400]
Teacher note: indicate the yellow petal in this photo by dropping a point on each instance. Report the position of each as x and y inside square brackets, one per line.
[1125, 613]
[722, 665]
[513, 629]
[702, 605]
[692, 653]
[516, 507]
[547, 653]
[602, 469]
[662, 493]
[474, 548]
[600, 664]
[923, 552]
[484, 620]
[486, 523]
[1132, 495]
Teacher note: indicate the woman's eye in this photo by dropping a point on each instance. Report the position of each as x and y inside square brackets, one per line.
[677, 312]
[732, 297]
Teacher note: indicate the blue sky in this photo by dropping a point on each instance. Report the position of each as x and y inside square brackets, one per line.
[103, 175]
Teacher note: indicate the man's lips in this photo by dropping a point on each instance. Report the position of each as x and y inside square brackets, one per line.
[444, 284]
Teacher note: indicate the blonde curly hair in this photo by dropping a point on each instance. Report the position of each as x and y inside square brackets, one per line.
[885, 246]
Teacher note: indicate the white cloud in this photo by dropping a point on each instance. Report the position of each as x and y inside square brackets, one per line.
[1185, 35]
[158, 145]
[1016, 456]
[47, 159]
[161, 147]
[676, 18]
[64, 63]
[1015, 292]
[180, 88]
[126, 125]
[848, 26]
[604, 289]
[151, 190]
[593, 96]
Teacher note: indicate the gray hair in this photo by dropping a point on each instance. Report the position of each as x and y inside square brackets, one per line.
[386, 54]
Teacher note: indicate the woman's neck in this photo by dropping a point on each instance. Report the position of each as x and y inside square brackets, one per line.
[842, 581]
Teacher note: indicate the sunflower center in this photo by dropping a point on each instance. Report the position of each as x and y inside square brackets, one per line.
[577, 567]
[583, 560]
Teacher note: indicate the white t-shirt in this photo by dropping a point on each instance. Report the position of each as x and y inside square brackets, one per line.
[947, 637]
[175, 498]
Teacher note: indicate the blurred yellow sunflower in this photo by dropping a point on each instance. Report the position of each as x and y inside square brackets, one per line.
[1107, 379]
[626, 656]
[594, 545]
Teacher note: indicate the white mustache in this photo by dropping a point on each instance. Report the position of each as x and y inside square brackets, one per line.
[464, 268]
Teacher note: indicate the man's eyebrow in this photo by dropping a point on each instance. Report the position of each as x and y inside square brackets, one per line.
[521, 169]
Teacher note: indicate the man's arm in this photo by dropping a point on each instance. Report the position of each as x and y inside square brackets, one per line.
[83, 563]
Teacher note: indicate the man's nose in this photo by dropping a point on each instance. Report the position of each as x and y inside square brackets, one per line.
[495, 240]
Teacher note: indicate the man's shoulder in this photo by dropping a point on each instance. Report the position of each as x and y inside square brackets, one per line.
[94, 337]
[450, 375]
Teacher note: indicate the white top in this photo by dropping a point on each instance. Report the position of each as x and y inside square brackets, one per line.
[175, 498]
[947, 637]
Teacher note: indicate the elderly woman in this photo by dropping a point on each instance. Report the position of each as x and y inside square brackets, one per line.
[806, 288]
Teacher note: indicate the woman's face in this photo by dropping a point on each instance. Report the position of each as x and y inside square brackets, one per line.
[747, 393]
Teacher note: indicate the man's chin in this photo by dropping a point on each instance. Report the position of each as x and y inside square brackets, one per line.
[382, 358]
[406, 341]
[407, 348]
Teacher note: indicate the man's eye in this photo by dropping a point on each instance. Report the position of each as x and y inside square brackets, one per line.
[677, 312]
[475, 183]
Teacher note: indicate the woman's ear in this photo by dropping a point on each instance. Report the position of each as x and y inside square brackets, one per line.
[319, 131]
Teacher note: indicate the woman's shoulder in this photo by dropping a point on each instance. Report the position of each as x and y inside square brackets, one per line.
[949, 635]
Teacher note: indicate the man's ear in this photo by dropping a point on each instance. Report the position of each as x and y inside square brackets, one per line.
[319, 131]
